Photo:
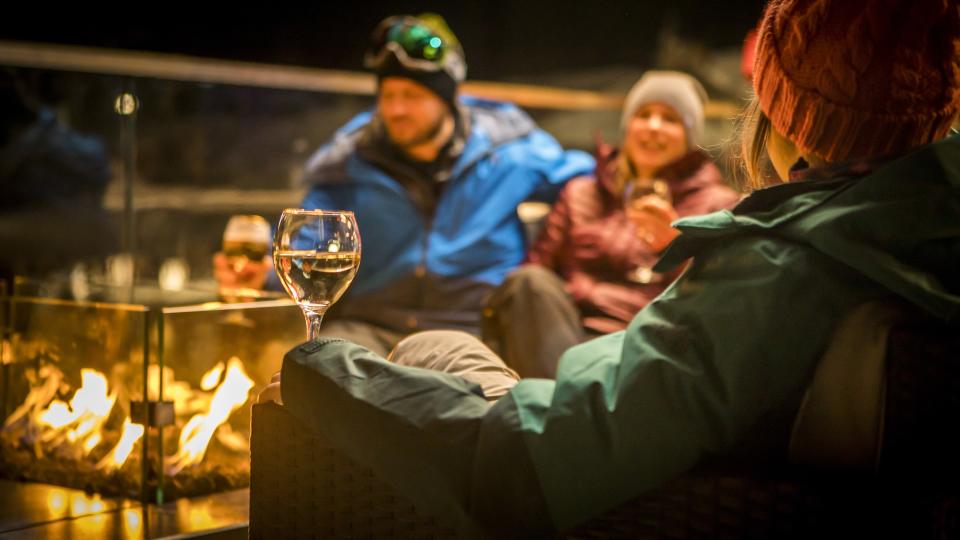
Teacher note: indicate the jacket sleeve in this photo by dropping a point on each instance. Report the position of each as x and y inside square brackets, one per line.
[551, 165]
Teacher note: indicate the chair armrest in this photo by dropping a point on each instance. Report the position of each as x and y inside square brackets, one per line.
[302, 487]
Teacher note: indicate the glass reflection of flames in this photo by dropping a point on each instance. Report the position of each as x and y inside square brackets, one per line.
[78, 425]
[62, 503]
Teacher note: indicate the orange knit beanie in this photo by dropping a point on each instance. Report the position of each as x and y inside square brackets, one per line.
[850, 79]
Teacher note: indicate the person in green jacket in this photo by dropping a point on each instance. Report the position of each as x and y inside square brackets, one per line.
[855, 100]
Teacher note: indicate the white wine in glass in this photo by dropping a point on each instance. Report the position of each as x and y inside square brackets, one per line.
[316, 254]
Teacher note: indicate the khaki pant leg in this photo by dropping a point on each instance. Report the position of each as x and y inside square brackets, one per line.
[457, 353]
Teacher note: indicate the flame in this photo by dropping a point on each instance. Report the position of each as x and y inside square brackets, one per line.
[92, 395]
[76, 427]
[38, 396]
[86, 413]
[185, 399]
[58, 415]
[118, 456]
[91, 443]
[80, 422]
[196, 434]
[233, 440]
[212, 377]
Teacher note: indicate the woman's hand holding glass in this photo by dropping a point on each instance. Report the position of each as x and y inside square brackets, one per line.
[649, 208]
[652, 217]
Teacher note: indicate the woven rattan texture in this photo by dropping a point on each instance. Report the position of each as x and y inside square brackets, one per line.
[300, 487]
[922, 421]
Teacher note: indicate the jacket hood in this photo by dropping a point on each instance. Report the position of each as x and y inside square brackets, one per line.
[898, 225]
[489, 124]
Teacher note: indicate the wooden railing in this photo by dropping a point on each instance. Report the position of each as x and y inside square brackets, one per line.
[206, 70]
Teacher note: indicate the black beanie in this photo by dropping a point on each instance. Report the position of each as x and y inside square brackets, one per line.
[439, 82]
[448, 73]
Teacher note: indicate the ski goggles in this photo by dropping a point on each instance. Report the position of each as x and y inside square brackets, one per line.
[410, 41]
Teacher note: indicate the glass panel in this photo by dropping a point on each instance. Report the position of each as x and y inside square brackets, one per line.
[6, 352]
[64, 148]
[207, 152]
[215, 358]
[72, 372]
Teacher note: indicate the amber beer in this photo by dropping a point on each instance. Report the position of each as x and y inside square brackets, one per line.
[238, 252]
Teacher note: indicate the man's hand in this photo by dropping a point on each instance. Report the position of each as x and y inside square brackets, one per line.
[246, 275]
[272, 391]
[651, 217]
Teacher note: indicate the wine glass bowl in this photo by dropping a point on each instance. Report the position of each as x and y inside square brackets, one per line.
[637, 189]
[316, 254]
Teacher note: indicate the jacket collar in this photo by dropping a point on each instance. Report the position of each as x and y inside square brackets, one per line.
[896, 225]
[854, 168]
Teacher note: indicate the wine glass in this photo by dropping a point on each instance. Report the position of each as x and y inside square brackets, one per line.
[634, 191]
[316, 254]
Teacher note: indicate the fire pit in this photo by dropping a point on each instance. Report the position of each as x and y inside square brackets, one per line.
[126, 401]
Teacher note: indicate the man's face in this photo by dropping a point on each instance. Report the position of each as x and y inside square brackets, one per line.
[412, 114]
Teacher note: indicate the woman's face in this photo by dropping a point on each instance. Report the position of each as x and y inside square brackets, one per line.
[783, 154]
[655, 137]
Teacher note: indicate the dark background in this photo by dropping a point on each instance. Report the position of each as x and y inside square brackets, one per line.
[503, 39]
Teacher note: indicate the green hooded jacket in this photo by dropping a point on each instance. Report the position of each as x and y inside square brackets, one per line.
[715, 366]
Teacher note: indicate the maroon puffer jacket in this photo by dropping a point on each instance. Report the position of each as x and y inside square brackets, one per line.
[588, 240]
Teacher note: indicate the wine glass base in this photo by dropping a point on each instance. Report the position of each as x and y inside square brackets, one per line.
[644, 276]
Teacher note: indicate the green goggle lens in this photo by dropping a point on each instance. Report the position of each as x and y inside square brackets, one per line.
[417, 41]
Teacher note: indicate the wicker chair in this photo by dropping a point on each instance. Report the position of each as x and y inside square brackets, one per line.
[301, 487]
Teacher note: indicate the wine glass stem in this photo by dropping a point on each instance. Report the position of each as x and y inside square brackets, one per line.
[314, 318]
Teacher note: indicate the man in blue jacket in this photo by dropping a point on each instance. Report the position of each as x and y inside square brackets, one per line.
[434, 180]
